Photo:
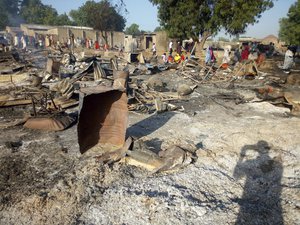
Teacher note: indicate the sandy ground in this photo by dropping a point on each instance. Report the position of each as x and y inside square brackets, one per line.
[247, 171]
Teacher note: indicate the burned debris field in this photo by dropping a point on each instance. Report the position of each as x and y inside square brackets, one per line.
[91, 139]
[149, 112]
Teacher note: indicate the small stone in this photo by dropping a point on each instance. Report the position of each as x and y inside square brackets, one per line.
[184, 89]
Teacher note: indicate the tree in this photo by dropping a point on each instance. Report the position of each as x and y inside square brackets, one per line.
[49, 15]
[3, 16]
[14, 12]
[99, 15]
[290, 27]
[159, 28]
[11, 6]
[207, 17]
[34, 11]
[9, 10]
[63, 19]
[82, 15]
[133, 30]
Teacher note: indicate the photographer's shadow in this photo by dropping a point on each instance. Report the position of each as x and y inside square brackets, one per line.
[260, 203]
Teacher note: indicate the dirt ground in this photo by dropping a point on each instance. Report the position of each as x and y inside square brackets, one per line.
[247, 170]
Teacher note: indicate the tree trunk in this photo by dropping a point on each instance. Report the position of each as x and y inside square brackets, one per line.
[205, 35]
[104, 35]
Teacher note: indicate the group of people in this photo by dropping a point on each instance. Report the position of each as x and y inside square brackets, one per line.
[247, 51]
[38, 41]
[179, 56]
[21, 42]
[84, 43]
[250, 51]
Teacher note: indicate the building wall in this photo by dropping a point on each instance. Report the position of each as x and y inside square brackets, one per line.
[118, 38]
[130, 43]
[40, 30]
[113, 38]
[161, 41]
[13, 31]
[160, 38]
[62, 34]
[147, 40]
[65, 32]
[90, 34]
[77, 33]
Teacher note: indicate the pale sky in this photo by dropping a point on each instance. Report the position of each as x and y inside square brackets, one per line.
[143, 13]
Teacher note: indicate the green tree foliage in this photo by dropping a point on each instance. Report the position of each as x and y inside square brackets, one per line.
[11, 6]
[13, 12]
[63, 19]
[189, 18]
[81, 16]
[3, 16]
[102, 16]
[133, 30]
[290, 26]
[159, 28]
[9, 10]
[37, 13]
[34, 11]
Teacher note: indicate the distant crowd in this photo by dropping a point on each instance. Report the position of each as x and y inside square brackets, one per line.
[247, 51]
[45, 41]
[252, 51]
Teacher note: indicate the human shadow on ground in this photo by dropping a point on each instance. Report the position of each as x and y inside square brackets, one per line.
[261, 201]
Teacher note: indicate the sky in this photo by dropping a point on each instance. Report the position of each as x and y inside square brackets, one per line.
[143, 13]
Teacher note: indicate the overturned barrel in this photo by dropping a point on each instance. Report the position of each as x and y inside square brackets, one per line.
[103, 115]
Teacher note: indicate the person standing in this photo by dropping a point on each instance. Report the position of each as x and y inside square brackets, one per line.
[24, 45]
[51, 40]
[288, 60]
[87, 43]
[72, 43]
[154, 49]
[69, 43]
[164, 58]
[90, 43]
[226, 57]
[271, 50]
[16, 41]
[47, 41]
[178, 49]
[237, 55]
[171, 47]
[245, 52]
[40, 41]
[97, 45]
[209, 57]
[121, 50]
[79, 42]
